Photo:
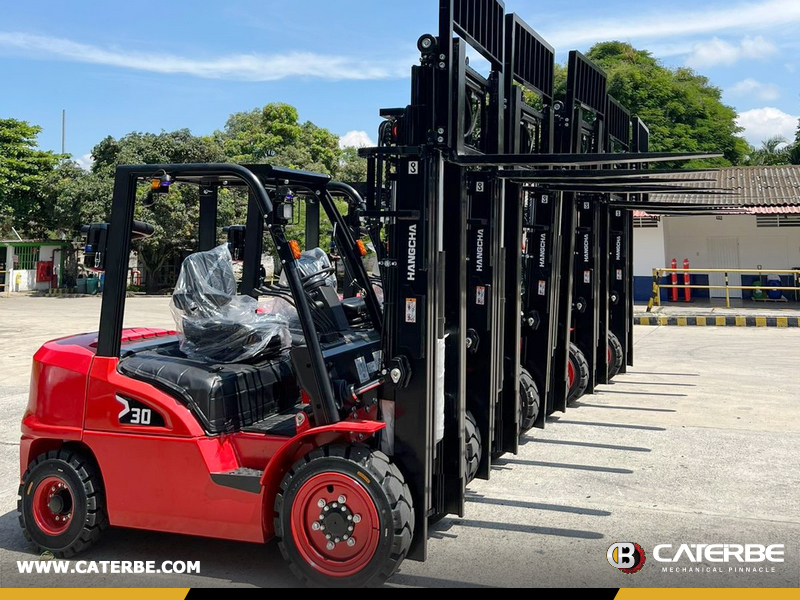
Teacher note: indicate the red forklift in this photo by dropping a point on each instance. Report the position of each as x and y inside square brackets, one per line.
[238, 425]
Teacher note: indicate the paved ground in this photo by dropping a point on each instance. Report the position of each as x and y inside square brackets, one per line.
[698, 444]
[677, 310]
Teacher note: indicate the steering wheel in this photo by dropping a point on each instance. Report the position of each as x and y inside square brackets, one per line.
[310, 281]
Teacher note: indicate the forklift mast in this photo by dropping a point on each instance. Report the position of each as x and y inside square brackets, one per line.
[581, 129]
[532, 223]
[616, 252]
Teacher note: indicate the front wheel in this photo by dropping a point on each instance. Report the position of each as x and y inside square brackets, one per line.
[528, 402]
[61, 503]
[615, 356]
[578, 374]
[345, 517]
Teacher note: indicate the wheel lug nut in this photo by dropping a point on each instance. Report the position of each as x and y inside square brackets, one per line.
[321, 503]
[342, 499]
[315, 526]
[351, 542]
[331, 546]
[356, 519]
[350, 528]
[53, 489]
[349, 517]
[328, 536]
[337, 540]
[327, 509]
[335, 505]
[346, 537]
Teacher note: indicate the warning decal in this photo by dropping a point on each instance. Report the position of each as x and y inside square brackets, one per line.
[411, 310]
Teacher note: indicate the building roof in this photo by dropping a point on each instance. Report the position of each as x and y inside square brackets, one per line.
[772, 190]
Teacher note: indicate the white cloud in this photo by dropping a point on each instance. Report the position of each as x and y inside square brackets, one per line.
[85, 162]
[754, 88]
[245, 67]
[719, 52]
[763, 123]
[658, 24]
[356, 139]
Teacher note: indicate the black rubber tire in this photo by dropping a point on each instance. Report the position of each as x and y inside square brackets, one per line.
[474, 446]
[472, 456]
[581, 368]
[617, 357]
[529, 402]
[387, 488]
[89, 516]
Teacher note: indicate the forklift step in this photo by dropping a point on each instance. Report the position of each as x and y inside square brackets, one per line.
[282, 423]
[246, 480]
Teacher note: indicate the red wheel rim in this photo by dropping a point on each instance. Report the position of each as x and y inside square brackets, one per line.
[317, 512]
[571, 368]
[610, 356]
[53, 503]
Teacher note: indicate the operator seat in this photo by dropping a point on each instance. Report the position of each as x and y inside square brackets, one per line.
[229, 365]
[217, 324]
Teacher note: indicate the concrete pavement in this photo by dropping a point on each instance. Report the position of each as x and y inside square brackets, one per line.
[697, 444]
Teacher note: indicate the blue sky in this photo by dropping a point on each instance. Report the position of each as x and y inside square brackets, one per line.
[192, 63]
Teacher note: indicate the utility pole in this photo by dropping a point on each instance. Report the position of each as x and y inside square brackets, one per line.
[63, 131]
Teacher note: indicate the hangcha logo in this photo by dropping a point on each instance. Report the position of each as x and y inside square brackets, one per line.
[720, 553]
[543, 251]
[412, 253]
[627, 557]
[479, 252]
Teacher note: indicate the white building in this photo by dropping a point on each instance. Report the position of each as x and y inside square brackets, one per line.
[767, 237]
[27, 266]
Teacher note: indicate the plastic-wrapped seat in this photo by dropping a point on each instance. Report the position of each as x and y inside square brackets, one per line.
[214, 322]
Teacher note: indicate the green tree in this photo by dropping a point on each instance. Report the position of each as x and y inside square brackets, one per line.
[275, 135]
[86, 198]
[24, 169]
[773, 151]
[352, 168]
[682, 109]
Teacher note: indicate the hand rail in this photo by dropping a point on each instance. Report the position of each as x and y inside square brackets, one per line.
[658, 275]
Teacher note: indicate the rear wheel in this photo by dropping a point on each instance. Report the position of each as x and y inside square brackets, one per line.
[345, 517]
[61, 503]
[578, 374]
[528, 401]
[615, 356]
[472, 436]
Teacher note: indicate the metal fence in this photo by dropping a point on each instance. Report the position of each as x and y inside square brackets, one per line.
[25, 258]
[659, 274]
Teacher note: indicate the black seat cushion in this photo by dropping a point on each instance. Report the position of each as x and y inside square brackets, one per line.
[224, 397]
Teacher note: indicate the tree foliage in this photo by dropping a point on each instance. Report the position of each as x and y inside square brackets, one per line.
[773, 151]
[682, 109]
[24, 170]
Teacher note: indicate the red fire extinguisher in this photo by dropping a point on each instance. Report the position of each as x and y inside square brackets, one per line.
[674, 279]
[687, 281]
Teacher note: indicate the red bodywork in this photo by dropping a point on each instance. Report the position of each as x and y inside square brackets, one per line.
[159, 478]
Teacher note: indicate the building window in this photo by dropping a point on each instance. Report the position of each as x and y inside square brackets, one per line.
[645, 222]
[25, 258]
[778, 220]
